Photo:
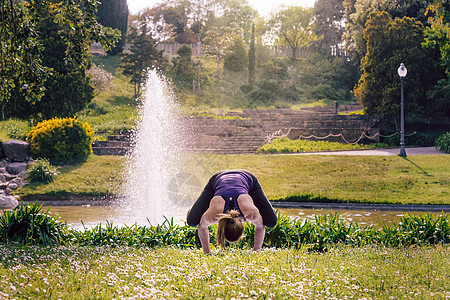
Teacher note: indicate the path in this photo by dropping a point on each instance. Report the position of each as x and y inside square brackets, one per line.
[382, 152]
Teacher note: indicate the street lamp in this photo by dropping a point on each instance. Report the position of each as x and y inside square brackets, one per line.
[402, 73]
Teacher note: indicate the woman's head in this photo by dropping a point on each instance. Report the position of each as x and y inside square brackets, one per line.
[230, 228]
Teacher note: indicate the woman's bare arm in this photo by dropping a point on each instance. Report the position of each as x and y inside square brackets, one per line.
[211, 216]
[251, 213]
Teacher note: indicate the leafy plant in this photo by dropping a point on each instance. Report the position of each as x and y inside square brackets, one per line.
[443, 142]
[286, 145]
[61, 140]
[25, 224]
[41, 170]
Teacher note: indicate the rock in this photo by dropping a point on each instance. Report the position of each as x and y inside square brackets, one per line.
[16, 151]
[3, 170]
[13, 185]
[7, 202]
[16, 167]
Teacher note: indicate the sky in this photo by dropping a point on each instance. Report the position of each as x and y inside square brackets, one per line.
[262, 6]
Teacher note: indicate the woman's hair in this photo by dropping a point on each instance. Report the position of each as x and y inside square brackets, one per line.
[230, 228]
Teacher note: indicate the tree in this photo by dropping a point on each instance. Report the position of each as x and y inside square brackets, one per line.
[294, 27]
[389, 43]
[437, 36]
[114, 14]
[329, 25]
[216, 42]
[21, 69]
[142, 57]
[357, 13]
[183, 72]
[236, 59]
[252, 58]
[66, 32]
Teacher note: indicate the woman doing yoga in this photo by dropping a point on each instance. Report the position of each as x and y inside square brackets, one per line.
[230, 197]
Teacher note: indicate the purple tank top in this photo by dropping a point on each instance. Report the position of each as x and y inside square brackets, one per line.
[232, 184]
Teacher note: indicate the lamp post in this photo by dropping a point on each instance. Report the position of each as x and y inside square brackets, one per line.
[402, 73]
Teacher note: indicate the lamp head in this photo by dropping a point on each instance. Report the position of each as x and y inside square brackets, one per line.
[402, 71]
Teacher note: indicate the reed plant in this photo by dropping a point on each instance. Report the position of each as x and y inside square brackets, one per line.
[26, 224]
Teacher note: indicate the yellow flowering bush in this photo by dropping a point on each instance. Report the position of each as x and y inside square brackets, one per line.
[61, 140]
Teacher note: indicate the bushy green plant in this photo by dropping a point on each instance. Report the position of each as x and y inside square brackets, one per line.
[61, 140]
[25, 224]
[236, 59]
[443, 143]
[324, 91]
[286, 145]
[261, 98]
[41, 170]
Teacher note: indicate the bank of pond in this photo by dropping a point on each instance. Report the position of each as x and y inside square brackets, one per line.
[29, 224]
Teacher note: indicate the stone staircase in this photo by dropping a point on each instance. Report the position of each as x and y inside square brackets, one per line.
[251, 131]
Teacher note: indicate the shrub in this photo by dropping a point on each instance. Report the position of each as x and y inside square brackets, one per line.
[443, 143]
[41, 170]
[237, 59]
[261, 98]
[61, 140]
[324, 91]
[26, 225]
[100, 78]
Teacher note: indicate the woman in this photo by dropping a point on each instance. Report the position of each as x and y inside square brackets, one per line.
[230, 197]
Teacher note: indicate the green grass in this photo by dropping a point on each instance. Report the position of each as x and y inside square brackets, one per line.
[98, 176]
[102, 272]
[422, 179]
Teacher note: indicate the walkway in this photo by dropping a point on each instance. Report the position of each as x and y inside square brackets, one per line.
[382, 152]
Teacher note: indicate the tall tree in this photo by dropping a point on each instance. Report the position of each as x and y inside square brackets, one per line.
[389, 43]
[114, 14]
[357, 13]
[294, 27]
[142, 57]
[437, 36]
[329, 18]
[252, 58]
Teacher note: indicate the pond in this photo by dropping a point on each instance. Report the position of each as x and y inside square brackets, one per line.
[89, 215]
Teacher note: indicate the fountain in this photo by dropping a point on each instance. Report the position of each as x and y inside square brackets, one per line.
[155, 159]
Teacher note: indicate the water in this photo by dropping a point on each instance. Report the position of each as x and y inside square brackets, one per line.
[154, 159]
[93, 215]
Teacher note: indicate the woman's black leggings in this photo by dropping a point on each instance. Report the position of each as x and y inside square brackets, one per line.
[259, 199]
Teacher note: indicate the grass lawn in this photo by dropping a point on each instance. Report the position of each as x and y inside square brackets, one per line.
[88, 272]
[423, 179]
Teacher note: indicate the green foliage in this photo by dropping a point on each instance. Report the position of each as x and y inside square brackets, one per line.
[236, 59]
[65, 32]
[142, 57]
[286, 145]
[324, 91]
[422, 139]
[25, 225]
[183, 72]
[18, 46]
[165, 234]
[294, 26]
[41, 170]
[114, 14]
[390, 42]
[61, 140]
[328, 15]
[252, 58]
[261, 97]
[443, 143]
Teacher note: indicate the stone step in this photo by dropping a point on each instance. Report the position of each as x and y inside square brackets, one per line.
[110, 150]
